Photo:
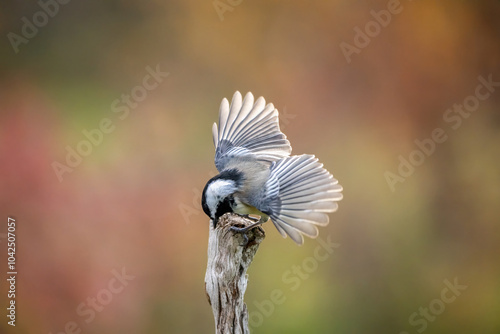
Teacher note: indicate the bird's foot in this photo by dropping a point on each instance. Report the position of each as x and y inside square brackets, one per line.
[244, 230]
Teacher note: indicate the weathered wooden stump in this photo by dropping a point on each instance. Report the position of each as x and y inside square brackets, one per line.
[226, 279]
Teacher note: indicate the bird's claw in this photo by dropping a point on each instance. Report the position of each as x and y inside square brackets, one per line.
[243, 230]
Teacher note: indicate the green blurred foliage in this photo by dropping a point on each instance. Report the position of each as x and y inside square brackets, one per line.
[133, 202]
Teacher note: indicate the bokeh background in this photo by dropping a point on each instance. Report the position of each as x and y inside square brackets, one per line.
[133, 202]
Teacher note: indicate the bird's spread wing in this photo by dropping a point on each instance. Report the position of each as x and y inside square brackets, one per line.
[248, 128]
[298, 195]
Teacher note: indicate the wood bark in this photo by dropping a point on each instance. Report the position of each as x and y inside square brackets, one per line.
[229, 256]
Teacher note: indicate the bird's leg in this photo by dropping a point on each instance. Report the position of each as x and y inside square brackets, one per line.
[243, 230]
[247, 216]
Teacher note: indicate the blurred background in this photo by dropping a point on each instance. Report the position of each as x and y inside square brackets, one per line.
[106, 111]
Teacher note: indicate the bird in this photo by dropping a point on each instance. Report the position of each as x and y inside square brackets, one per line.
[258, 176]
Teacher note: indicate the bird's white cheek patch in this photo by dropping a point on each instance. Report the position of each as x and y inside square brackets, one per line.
[218, 190]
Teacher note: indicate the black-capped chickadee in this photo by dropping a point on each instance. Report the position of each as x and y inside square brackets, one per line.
[259, 177]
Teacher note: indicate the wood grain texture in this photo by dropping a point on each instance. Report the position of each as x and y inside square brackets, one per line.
[226, 279]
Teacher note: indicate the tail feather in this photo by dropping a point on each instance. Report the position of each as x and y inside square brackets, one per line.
[301, 225]
[320, 206]
[301, 194]
[312, 217]
[314, 197]
[285, 229]
[312, 188]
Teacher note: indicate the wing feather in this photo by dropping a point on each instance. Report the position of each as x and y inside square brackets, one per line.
[299, 194]
[248, 128]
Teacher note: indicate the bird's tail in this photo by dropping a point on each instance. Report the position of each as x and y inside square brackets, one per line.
[301, 193]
